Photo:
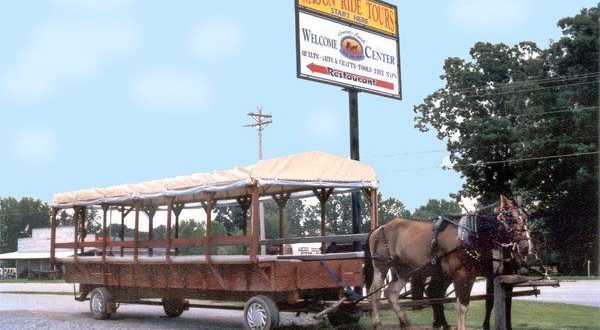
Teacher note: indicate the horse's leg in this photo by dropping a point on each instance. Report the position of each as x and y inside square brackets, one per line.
[489, 302]
[378, 277]
[437, 289]
[417, 283]
[463, 283]
[392, 293]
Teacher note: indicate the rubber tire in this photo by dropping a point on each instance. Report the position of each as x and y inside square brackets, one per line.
[346, 315]
[265, 306]
[174, 307]
[100, 302]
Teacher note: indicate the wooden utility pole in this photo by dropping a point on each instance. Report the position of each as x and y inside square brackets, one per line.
[261, 122]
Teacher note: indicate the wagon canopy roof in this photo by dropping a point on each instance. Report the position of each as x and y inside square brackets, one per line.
[292, 173]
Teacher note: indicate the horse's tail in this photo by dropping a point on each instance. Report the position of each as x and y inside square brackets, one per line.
[368, 270]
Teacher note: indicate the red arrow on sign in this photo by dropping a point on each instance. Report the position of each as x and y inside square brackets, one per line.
[317, 68]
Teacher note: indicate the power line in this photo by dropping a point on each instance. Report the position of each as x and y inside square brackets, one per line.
[529, 90]
[407, 153]
[516, 160]
[526, 82]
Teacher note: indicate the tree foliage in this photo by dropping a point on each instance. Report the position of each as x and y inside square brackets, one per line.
[435, 208]
[524, 120]
[15, 216]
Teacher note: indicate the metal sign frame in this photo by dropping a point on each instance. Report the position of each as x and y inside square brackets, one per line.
[315, 14]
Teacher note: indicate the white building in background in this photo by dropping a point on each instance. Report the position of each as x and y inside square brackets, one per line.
[33, 252]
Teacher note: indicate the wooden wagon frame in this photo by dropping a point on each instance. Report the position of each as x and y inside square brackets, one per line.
[268, 283]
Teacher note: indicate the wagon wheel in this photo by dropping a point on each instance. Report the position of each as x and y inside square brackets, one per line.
[346, 315]
[100, 302]
[174, 307]
[261, 313]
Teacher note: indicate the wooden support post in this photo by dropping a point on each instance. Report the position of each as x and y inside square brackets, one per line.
[244, 204]
[254, 218]
[122, 231]
[374, 209]
[323, 195]
[177, 208]
[104, 237]
[83, 227]
[208, 207]
[136, 232]
[53, 236]
[499, 304]
[169, 215]
[281, 200]
[150, 212]
[76, 227]
[124, 213]
[104, 231]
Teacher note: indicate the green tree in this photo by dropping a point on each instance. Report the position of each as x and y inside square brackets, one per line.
[391, 208]
[523, 102]
[435, 208]
[64, 219]
[15, 216]
[565, 190]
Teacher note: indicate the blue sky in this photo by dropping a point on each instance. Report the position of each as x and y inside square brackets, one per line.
[102, 92]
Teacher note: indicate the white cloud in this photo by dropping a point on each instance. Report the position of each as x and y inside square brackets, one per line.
[215, 40]
[94, 4]
[60, 53]
[34, 146]
[324, 122]
[482, 14]
[172, 91]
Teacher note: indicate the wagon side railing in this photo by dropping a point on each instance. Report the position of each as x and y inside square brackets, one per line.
[249, 240]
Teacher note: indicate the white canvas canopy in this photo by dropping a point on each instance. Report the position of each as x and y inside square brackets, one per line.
[293, 173]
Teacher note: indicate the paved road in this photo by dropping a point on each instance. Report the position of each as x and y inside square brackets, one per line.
[39, 311]
[585, 293]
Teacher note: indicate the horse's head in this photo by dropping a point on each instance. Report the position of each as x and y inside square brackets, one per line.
[514, 219]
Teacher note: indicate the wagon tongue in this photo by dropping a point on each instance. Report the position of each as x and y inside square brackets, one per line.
[348, 292]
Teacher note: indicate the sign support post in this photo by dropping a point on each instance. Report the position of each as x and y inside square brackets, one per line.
[355, 155]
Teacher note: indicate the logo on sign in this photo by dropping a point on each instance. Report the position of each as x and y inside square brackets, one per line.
[352, 48]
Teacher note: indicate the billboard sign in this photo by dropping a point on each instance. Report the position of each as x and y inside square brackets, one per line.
[374, 15]
[336, 53]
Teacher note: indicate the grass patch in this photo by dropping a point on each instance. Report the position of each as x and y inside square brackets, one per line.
[574, 278]
[526, 315]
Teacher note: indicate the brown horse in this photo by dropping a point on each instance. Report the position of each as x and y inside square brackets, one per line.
[516, 257]
[404, 246]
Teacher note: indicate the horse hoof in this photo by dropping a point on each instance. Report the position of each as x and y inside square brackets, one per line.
[377, 326]
[405, 323]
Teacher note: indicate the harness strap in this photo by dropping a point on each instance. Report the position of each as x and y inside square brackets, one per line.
[434, 246]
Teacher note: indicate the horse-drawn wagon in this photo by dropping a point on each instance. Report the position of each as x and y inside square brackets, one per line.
[155, 270]
[133, 271]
